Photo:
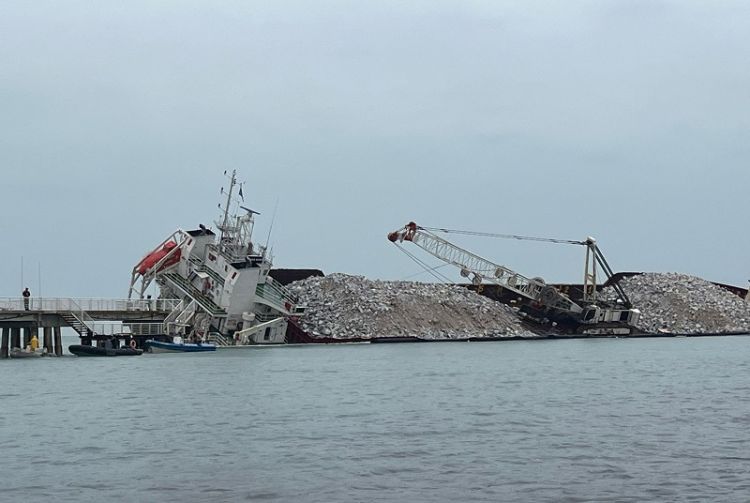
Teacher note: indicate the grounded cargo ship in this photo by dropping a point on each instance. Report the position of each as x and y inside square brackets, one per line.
[223, 281]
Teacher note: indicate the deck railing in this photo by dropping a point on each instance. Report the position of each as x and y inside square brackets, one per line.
[128, 329]
[90, 305]
[277, 294]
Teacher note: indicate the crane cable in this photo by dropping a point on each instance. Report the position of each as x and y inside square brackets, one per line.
[422, 272]
[430, 270]
[504, 236]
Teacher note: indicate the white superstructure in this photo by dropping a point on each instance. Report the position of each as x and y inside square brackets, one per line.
[222, 281]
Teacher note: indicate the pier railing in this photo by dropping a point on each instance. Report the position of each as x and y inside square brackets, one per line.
[91, 305]
[124, 329]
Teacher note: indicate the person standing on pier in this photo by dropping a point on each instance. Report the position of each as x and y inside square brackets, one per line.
[26, 296]
[34, 343]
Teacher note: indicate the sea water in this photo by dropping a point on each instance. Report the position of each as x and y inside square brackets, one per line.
[549, 420]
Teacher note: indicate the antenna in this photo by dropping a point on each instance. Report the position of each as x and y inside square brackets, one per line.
[273, 219]
[225, 220]
[22, 287]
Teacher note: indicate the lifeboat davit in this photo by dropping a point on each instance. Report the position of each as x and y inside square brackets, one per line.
[153, 258]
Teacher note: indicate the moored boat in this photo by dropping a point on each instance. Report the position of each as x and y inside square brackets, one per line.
[25, 353]
[177, 346]
[81, 350]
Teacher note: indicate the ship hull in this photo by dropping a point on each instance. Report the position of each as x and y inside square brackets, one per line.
[81, 350]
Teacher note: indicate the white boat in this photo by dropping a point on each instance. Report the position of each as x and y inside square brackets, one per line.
[26, 352]
[222, 279]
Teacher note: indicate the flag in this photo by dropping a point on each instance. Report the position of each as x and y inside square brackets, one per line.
[243, 197]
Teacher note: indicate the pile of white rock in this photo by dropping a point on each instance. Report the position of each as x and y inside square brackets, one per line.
[682, 304]
[343, 306]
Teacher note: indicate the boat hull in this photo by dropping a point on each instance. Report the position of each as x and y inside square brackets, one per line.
[171, 347]
[80, 350]
[22, 353]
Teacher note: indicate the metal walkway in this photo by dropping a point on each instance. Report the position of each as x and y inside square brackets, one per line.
[100, 309]
[89, 316]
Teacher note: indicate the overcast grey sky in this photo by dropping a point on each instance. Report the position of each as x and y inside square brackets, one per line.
[626, 120]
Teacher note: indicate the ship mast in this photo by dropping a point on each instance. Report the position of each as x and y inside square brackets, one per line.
[224, 227]
[236, 231]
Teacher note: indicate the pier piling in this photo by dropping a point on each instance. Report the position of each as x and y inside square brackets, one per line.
[15, 337]
[26, 336]
[4, 345]
[58, 342]
[48, 340]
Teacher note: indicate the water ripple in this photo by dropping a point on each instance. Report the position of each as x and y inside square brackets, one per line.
[576, 421]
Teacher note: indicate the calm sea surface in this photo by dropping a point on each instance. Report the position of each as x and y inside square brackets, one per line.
[576, 420]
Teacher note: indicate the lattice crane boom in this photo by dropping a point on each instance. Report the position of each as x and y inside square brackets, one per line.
[470, 264]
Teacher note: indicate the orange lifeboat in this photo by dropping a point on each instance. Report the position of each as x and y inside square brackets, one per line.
[153, 258]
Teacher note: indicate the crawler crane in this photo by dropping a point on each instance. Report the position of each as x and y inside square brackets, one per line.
[538, 301]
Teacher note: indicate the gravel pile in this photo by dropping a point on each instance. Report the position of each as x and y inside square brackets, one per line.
[343, 306]
[683, 304]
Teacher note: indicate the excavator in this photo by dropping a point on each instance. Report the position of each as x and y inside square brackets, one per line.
[537, 301]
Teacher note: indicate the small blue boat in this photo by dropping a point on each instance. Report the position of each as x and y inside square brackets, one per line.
[177, 346]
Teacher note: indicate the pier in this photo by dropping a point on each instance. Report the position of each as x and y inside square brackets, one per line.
[90, 318]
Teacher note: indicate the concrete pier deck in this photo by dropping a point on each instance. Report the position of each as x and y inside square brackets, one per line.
[88, 317]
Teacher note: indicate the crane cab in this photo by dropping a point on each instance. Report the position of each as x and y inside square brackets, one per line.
[595, 314]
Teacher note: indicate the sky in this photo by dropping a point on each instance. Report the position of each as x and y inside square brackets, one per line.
[626, 120]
